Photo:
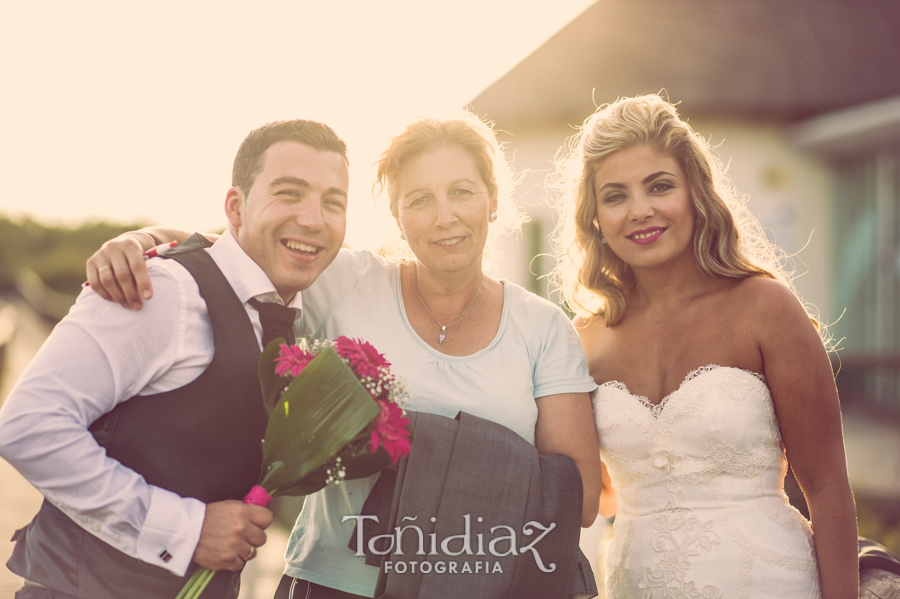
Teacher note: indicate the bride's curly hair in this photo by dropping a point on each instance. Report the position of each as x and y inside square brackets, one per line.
[728, 241]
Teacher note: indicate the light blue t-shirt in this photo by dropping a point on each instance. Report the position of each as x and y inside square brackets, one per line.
[535, 353]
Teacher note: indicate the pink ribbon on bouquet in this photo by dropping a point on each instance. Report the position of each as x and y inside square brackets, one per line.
[258, 496]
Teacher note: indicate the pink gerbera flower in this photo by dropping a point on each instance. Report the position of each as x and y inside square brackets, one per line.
[364, 359]
[291, 359]
[390, 430]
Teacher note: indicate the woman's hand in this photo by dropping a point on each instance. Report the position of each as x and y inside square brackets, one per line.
[565, 426]
[117, 273]
[800, 378]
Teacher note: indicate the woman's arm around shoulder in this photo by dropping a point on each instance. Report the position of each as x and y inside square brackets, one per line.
[798, 373]
[117, 273]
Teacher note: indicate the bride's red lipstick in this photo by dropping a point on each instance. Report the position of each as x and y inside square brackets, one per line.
[651, 233]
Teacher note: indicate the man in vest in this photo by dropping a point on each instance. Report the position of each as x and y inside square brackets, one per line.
[142, 428]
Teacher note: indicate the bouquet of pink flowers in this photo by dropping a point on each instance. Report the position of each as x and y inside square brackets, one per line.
[334, 414]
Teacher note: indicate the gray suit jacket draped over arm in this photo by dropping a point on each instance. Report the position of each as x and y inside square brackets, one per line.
[471, 474]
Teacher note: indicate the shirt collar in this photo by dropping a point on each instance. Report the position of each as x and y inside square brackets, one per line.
[244, 275]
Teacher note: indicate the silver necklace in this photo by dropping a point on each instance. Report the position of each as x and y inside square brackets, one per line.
[445, 327]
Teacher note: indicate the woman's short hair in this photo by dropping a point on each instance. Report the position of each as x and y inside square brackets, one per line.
[727, 240]
[477, 138]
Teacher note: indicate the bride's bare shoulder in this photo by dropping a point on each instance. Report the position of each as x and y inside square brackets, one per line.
[764, 293]
[769, 305]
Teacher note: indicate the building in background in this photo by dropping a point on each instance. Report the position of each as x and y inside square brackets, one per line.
[802, 101]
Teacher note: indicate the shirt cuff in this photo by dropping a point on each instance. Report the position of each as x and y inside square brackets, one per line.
[171, 530]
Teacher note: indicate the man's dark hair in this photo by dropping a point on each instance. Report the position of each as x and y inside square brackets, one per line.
[249, 159]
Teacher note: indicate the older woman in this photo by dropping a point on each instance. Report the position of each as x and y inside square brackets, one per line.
[711, 374]
[463, 340]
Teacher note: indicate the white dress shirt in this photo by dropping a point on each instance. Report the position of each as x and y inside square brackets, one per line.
[99, 355]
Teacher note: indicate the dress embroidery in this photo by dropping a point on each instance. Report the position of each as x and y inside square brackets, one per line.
[701, 505]
[678, 536]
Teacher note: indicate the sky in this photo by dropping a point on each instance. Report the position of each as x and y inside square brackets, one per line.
[133, 111]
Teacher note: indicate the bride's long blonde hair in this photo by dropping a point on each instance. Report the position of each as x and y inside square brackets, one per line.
[728, 241]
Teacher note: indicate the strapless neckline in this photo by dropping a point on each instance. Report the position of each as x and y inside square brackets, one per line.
[657, 408]
[701, 504]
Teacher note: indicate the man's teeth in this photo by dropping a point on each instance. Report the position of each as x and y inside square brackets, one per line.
[293, 245]
[450, 241]
[646, 235]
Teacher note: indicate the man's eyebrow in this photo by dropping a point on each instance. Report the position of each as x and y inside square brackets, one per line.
[305, 184]
[289, 181]
[647, 179]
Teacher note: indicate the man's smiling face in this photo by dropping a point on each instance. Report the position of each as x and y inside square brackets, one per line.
[292, 220]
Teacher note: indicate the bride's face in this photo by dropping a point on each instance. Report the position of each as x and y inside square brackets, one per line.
[644, 207]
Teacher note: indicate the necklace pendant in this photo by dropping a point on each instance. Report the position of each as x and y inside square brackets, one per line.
[442, 335]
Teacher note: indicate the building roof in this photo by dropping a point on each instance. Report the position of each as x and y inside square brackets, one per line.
[771, 59]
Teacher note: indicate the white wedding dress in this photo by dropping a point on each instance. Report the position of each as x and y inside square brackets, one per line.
[701, 504]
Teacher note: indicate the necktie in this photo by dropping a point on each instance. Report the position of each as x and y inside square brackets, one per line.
[277, 321]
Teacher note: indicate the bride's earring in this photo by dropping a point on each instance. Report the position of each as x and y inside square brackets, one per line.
[602, 238]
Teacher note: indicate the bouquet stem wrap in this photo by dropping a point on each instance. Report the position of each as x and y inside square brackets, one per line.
[258, 496]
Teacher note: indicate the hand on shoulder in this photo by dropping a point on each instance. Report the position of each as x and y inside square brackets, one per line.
[116, 272]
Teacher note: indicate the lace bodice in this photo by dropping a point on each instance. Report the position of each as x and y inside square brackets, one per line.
[701, 505]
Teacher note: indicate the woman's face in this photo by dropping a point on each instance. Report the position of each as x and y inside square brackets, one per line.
[443, 207]
[644, 207]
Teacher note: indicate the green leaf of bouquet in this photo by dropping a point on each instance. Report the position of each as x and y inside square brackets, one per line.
[327, 407]
[270, 383]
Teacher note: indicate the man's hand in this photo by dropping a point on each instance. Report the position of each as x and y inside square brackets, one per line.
[230, 535]
[117, 272]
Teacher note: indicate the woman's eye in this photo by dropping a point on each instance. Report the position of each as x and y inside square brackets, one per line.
[661, 186]
[613, 198]
[337, 204]
[461, 192]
